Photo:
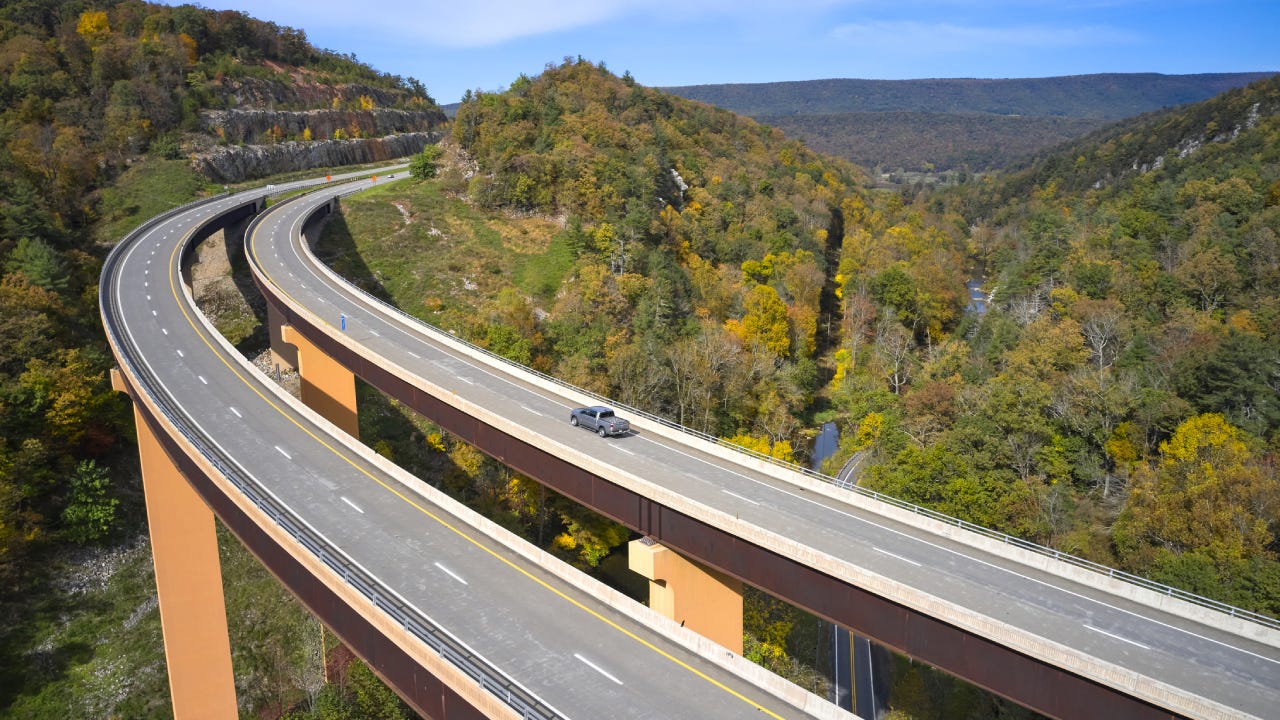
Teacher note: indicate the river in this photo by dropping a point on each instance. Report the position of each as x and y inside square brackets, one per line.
[978, 300]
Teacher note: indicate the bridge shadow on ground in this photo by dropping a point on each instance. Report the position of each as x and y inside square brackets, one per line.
[337, 249]
[249, 332]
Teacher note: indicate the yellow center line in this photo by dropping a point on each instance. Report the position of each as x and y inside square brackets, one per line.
[411, 502]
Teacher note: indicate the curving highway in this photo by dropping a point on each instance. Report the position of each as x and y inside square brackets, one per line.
[1171, 657]
[532, 632]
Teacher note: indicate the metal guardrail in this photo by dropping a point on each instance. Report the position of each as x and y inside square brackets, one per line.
[444, 644]
[1004, 538]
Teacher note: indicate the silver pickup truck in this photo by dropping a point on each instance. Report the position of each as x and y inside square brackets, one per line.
[599, 418]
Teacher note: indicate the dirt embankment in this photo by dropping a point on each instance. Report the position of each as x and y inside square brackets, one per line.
[232, 302]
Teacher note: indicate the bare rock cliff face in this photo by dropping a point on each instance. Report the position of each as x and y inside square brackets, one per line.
[248, 93]
[238, 163]
[259, 126]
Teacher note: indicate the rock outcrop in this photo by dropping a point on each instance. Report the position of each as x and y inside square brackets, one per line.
[261, 126]
[250, 92]
[228, 163]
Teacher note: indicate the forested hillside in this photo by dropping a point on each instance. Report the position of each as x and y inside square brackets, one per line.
[1109, 96]
[1121, 397]
[698, 248]
[931, 142]
[1118, 399]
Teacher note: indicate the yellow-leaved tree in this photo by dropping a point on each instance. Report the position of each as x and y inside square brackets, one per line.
[781, 449]
[1207, 495]
[93, 25]
[764, 321]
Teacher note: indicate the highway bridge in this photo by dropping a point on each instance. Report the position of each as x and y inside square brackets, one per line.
[460, 617]
[1063, 639]
[1049, 632]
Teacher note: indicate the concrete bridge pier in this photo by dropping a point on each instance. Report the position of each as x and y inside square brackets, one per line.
[193, 614]
[699, 598]
[327, 387]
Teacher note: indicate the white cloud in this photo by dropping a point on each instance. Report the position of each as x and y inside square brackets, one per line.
[451, 23]
[478, 23]
[484, 23]
[916, 37]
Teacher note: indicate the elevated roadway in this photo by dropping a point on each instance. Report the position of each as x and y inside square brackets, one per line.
[460, 617]
[1063, 639]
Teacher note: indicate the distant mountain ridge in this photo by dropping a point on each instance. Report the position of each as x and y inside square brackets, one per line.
[943, 141]
[1235, 128]
[940, 125]
[1103, 96]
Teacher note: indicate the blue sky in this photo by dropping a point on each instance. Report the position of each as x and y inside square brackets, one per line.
[459, 44]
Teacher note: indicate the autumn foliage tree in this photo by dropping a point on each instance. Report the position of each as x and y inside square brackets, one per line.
[1208, 494]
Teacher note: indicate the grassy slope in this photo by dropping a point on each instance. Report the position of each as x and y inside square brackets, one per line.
[146, 189]
[87, 642]
[388, 240]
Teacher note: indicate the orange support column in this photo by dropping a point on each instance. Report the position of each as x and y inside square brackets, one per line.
[699, 598]
[193, 614]
[281, 352]
[327, 387]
